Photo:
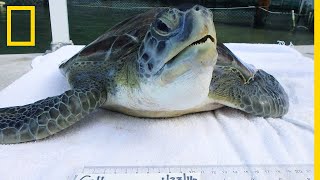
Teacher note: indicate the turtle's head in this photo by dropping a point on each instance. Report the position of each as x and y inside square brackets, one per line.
[178, 40]
[178, 54]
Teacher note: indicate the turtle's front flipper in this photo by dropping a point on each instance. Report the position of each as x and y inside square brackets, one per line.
[258, 94]
[48, 116]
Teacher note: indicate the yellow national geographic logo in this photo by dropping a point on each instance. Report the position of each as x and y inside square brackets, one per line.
[32, 26]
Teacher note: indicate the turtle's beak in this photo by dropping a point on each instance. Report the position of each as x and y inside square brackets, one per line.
[227, 58]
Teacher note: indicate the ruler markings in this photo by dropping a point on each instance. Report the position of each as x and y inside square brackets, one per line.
[250, 172]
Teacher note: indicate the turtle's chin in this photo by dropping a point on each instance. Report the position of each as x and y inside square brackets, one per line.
[197, 58]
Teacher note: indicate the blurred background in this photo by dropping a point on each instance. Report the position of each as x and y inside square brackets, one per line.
[236, 21]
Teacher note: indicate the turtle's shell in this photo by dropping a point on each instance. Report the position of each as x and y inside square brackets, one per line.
[117, 45]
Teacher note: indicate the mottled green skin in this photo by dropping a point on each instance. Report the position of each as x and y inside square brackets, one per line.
[48, 116]
[261, 96]
[250, 90]
[91, 76]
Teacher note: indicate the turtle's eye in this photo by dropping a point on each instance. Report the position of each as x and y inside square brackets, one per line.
[167, 22]
[162, 26]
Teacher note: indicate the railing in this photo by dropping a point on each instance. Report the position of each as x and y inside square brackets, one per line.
[59, 24]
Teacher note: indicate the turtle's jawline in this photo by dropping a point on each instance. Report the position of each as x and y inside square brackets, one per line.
[202, 40]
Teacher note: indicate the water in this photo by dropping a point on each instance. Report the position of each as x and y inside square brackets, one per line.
[87, 23]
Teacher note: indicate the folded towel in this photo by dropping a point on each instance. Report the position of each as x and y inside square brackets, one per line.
[222, 137]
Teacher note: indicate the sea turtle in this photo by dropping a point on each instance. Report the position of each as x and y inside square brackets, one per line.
[162, 63]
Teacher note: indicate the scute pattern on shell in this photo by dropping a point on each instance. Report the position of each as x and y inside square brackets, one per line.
[117, 43]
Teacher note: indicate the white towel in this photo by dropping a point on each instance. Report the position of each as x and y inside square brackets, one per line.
[222, 137]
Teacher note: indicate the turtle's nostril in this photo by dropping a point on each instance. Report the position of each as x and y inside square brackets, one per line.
[197, 8]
